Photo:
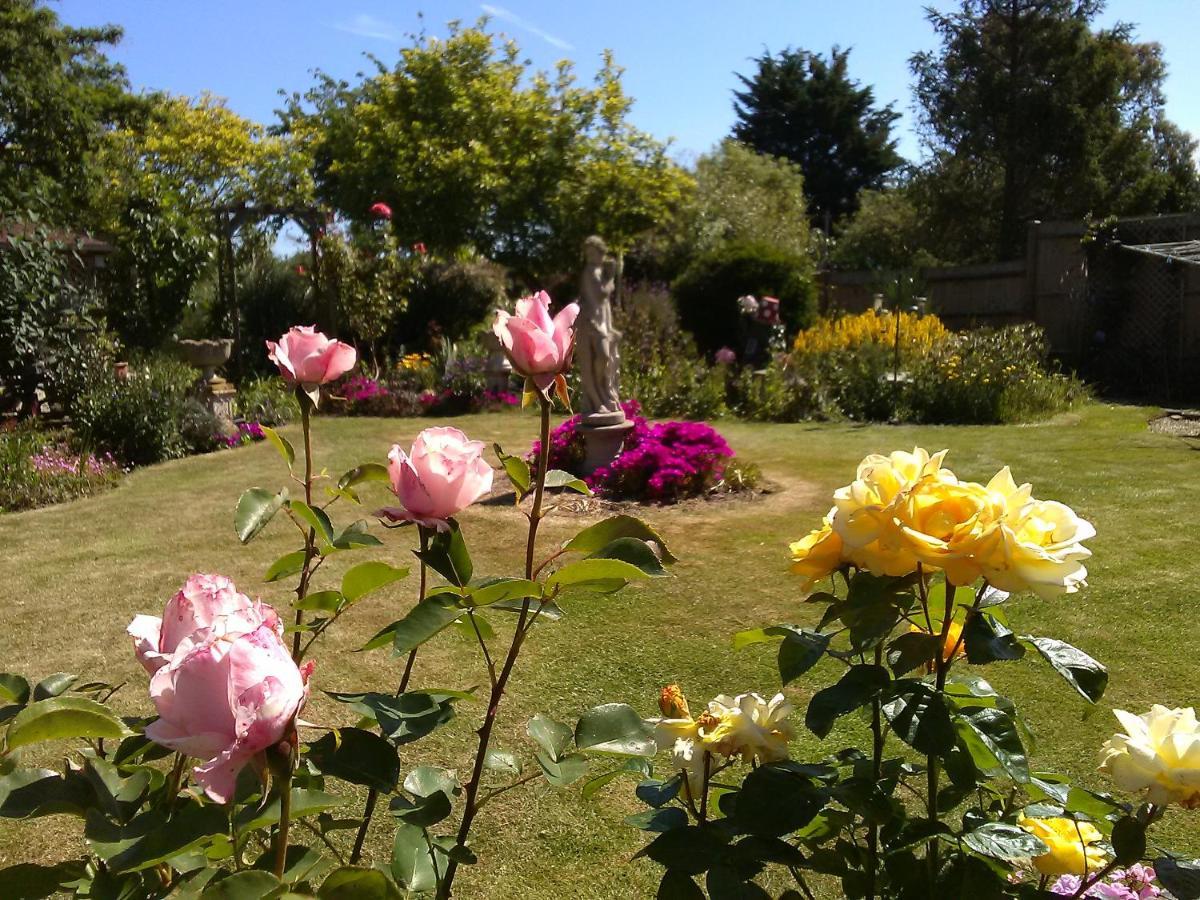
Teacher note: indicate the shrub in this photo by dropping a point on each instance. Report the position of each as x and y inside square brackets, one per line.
[267, 400]
[452, 298]
[989, 375]
[138, 419]
[38, 468]
[708, 289]
[272, 296]
[777, 393]
[660, 463]
[660, 367]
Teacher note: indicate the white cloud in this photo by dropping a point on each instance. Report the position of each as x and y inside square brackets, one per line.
[365, 25]
[507, 15]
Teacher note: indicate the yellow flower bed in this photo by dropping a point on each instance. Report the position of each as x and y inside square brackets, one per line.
[918, 334]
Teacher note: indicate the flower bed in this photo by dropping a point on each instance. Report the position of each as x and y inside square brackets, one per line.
[660, 463]
[39, 468]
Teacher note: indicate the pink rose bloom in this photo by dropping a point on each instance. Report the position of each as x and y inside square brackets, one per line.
[307, 357]
[539, 347]
[725, 357]
[444, 474]
[225, 701]
[207, 606]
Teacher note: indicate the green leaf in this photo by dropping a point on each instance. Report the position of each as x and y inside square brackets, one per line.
[689, 850]
[657, 793]
[564, 770]
[603, 533]
[26, 881]
[53, 685]
[321, 601]
[554, 737]
[658, 820]
[546, 609]
[1000, 840]
[255, 509]
[919, 717]
[151, 838]
[305, 802]
[448, 556]
[287, 565]
[992, 739]
[364, 473]
[911, 650]
[557, 478]
[677, 886]
[413, 861]
[855, 688]
[357, 756]
[425, 781]
[1179, 876]
[316, 519]
[1129, 841]
[502, 761]
[496, 590]
[988, 640]
[301, 864]
[516, 469]
[62, 717]
[1085, 674]
[30, 793]
[426, 619]
[800, 651]
[354, 883]
[425, 812]
[635, 552]
[356, 535]
[282, 444]
[405, 717]
[602, 575]
[13, 689]
[727, 883]
[365, 577]
[776, 800]
[615, 728]
[635, 766]
[249, 885]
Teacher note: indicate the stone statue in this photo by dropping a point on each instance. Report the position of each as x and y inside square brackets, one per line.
[596, 340]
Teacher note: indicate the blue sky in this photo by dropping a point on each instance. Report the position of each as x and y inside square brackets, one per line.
[680, 57]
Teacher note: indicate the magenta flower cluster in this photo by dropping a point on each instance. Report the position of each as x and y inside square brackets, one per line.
[360, 387]
[247, 433]
[1134, 883]
[660, 463]
[52, 461]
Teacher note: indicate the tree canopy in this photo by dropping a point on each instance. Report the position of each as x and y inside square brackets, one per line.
[1027, 112]
[806, 108]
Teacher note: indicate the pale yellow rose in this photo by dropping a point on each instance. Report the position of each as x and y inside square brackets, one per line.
[1074, 846]
[817, 555]
[748, 726]
[1159, 753]
[865, 509]
[1040, 549]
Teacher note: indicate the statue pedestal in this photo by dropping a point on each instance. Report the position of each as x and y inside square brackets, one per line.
[603, 435]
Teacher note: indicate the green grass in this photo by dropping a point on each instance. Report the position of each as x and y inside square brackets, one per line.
[76, 574]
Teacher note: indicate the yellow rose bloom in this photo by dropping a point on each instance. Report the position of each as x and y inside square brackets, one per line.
[1040, 550]
[748, 726]
[865, 509]
[817, 555]
[1159, 752]
[1073, 846]
[950, 525]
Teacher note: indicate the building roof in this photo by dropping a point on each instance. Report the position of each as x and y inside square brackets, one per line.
[1172, 251]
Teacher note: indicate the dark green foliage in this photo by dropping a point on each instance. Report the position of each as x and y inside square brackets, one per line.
[708, 290]
[806, 108]
[1029, 113]
[272, 297]
[451, 299]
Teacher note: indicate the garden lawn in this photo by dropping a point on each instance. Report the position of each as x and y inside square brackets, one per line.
[74, 575]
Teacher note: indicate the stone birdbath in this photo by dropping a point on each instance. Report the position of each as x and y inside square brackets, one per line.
[213, 391]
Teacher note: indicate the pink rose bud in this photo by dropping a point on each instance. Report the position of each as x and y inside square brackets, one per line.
[225, 701]
[445, 473]
[207, 606]
[307, 357]
[381, 211]
[538, 346]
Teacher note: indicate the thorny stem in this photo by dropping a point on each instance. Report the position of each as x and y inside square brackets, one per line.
[877, 745]
[942, 667]
[471, 806]
[372, 793]
[310, 540]
[285, 815]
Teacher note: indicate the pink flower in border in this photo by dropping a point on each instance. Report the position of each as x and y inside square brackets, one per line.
[381, 210]
[307, 357]
[725, 357]
[205, 608]
[444, 474]
[225, 701]
[538, 346]
[420, 248]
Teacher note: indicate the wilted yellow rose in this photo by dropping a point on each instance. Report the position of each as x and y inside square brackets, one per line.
[1159, 752]
[678, 732]
[865, 509]
[672, 703]
[818, 554]
[748, 726]
[1073, 846]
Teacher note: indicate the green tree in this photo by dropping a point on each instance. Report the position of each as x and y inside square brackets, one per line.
[743, 196]
[888, 233]
[806, 108]
[59, 94]
[1027, 112]
[472, 150]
